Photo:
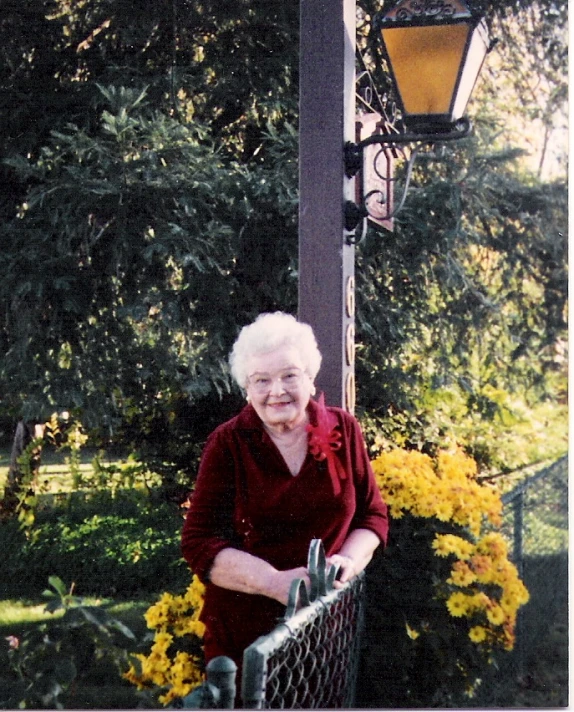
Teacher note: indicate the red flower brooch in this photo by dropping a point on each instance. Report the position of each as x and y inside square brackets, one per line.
[324, 441]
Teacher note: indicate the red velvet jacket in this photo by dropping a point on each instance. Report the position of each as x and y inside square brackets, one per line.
[245, 497]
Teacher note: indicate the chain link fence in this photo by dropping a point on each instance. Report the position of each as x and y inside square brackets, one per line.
[536, 523]
[310, 661]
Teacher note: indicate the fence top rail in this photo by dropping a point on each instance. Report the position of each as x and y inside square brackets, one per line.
[529, 481]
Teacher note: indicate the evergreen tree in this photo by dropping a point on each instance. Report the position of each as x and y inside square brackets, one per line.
[149, 205]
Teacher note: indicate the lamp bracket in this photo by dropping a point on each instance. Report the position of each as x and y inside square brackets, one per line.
[353, 152]
[354, 215]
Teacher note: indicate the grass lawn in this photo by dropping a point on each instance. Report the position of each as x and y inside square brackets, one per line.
[54, 475]
[100, 687]
[18, 614]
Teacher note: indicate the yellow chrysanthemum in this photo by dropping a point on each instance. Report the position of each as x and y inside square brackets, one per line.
[195, 592]
[157, 615]
[477, 634]
[495, 615]
[447, 490]
[162, 641]
[446, 544]
[458, 604]
[171, 616]
[461, 575]
[479, 601]
[444, 511]
[179, 605]
[480, 564]
[493, 544]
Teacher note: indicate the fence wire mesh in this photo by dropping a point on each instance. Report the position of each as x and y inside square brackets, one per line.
[310, 661]
[535, 521]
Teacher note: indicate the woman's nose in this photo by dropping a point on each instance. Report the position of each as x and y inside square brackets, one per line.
[277, 386]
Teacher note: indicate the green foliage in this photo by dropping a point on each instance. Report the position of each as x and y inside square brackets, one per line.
[137, 234]
[148, 194]
[48, 660]
[462, 310]
[106, 545]
[24, 491]
[453, 306]
[138, 237]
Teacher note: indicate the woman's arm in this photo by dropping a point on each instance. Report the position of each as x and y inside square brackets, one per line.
[239, 571]
[355, 554]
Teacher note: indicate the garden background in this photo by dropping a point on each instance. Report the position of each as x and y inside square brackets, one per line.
[148, 203]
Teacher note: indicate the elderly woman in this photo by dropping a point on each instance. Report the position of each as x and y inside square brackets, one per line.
[284, 471]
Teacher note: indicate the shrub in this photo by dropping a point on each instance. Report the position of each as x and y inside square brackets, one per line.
[46, 663]
[443, 598]
[125, 544]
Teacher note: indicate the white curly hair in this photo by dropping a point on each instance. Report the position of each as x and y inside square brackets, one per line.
[269, 332]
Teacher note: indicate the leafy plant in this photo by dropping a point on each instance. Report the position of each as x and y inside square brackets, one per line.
[46, 661]
[443, 599]
[109, 545]
[23, 489]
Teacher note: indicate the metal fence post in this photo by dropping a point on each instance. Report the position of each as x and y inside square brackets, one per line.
[518, 554]
[218, 691]
[221, 673]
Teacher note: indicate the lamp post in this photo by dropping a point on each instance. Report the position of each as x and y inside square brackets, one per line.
[434, 50]
[326, 123]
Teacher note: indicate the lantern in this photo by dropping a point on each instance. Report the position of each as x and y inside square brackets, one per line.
[435, 50]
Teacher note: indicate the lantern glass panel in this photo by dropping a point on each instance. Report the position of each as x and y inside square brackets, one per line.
[479, 45]
[425, 62]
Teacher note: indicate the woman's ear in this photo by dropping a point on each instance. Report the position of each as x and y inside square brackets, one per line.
[313, 389]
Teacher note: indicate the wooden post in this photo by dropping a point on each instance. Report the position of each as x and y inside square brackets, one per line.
[326, 121]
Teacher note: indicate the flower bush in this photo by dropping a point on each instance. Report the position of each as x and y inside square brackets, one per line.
[444, 597]
[174, 665]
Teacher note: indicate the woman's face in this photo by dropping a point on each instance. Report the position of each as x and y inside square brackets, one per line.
[279, 388]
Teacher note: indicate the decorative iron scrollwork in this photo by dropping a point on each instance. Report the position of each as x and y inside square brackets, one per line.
[372, 204]
[431, 8]
[322, 579]
[408, 11]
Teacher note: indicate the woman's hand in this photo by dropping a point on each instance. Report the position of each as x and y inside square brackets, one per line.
[348, 568]
[278, 583]
[354, 555]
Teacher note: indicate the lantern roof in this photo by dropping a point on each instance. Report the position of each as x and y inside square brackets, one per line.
[414, 11]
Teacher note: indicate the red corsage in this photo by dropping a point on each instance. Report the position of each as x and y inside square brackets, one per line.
[324, 441]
